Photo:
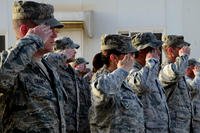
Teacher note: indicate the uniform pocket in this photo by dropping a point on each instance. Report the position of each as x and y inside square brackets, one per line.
[126, 103]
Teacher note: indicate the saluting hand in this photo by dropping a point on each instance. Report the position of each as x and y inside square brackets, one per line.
[196, 69]
[184, 51]
[153, 54]
[41, 30]
[127, 62]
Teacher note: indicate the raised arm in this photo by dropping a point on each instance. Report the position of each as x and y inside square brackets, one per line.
[15, 60]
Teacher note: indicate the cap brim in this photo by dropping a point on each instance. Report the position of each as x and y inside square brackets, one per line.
[130, 50]
[83, 62]
[76, 46]
[52, 22]
[133, 50]
[155, 44]
[183, 44]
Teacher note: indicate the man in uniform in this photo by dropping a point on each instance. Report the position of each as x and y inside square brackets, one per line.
[64, 54]
[85, 96]
[172, 77]
[34, 96]
[144, 80]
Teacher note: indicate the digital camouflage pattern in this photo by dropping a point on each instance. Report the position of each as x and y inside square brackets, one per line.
[80, 60]
[144, 80]
[115, 107]
[85, 103]
[34, 102]
[39, 13]
[144, 40]
[195, 94]
[172, 77]
[192, 62]
[120, 43]
[65, 42]
[174, 40]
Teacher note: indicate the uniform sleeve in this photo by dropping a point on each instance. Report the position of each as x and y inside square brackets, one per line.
[195, 83]
[172, 72]
[105, 86]
[13, 61]
[141, 80]
[56, 59]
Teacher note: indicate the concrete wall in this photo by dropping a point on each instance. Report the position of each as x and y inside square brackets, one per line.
[111, 16]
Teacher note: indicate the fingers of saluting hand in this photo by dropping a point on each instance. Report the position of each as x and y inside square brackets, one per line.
[41, 30]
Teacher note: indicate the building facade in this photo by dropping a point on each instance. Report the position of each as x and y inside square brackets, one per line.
[86, 20]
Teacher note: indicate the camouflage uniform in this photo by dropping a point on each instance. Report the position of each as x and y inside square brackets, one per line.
[115, 107]
[85, 103]
[144, 80]
[33, 98]
[195, 93]
[85, 98]
[177, 92]
[70, 83]
[34, 103]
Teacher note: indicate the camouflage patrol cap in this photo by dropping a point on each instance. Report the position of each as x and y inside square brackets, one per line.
[80, 60]
[120, 43]
[174, 40]
[143, 40]
[192, 62]
[65, 42]
[39, 13]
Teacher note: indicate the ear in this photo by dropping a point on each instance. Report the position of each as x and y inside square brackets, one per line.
[169, 50]
[112, 57]
[23, 29]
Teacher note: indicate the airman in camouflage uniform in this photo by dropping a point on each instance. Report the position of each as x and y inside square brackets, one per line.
[193, 79]
[63, 55]
[85, 96]
[172, 77]
[144, 79]
[34, 96]
[115, 107]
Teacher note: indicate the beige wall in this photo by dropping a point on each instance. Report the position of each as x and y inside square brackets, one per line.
[111, 16]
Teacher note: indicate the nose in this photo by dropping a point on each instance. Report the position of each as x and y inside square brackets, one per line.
[75, 50]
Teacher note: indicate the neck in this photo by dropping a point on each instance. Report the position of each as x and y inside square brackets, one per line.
[40, 53]
[111, 67]
[172, 60]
